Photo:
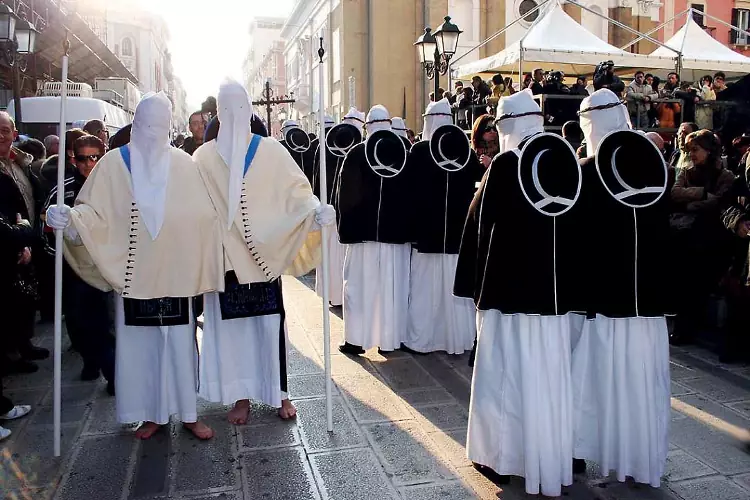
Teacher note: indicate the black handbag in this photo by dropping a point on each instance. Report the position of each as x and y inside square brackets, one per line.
[247, 301]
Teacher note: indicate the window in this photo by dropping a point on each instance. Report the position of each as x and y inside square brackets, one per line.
[127, 47]
[524, 7]
[740, 19]
[698, 17]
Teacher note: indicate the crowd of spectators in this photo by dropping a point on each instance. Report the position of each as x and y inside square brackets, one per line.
[28, 185]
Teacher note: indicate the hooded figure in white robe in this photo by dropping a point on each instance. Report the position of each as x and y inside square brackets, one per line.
[132, 232]
[268, 213]
[439, 321]
[373, 224]
[354, 117]
[512, 253]
[620, 359]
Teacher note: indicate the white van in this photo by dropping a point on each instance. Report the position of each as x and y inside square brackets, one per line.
[41, 115]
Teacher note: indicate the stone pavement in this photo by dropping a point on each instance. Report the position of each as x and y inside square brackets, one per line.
[400, 429]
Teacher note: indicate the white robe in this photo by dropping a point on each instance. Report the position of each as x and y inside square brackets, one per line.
[336, 255]
[621, 396]
[521, 414]
[241, 358]
[155, 371]
[376, 294]
[438, 320]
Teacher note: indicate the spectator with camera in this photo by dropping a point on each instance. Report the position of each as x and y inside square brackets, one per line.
[605, 78]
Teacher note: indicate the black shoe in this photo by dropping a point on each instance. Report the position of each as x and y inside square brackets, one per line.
[354, 350]
[579, 466]
[20, 366]
[34, 353]
[90, 373]
[411, 351]
[111, 387]
[491, 474]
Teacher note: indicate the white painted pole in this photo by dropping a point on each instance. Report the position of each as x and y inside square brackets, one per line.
[59, 252]
[323, 176]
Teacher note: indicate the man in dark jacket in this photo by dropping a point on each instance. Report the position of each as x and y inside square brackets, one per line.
[605, 78]
[17, 284]
[197, 126]
[86, 308]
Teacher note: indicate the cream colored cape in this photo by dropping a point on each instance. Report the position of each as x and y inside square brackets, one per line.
[116, 252]
[271, 234]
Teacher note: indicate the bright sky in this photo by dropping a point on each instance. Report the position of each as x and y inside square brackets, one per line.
[210, 39]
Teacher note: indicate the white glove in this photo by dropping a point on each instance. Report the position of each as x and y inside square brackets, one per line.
[58, 217]
[325, 215]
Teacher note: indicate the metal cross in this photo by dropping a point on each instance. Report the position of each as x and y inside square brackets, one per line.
[269, 101]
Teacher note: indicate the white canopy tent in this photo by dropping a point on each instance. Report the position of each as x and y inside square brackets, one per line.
[700, 53]
[556, 41]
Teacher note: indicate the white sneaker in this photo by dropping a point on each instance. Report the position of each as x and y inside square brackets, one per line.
[4, 433]
[18, 411]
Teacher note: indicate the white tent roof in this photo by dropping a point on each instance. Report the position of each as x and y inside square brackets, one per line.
[700, 51]
[557, 41]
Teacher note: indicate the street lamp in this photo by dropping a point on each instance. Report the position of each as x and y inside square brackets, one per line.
[17, 43]
[436, 50]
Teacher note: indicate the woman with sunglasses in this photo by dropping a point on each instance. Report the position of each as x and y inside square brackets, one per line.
[86, 308]
[484, 139]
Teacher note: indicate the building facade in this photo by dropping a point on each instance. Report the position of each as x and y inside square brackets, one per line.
[137, 37]
[370, 58]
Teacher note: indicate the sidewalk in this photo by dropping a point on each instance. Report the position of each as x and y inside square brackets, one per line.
[400, 430]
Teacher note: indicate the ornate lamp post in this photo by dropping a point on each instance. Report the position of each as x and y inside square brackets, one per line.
[436, 50]
[17, 43]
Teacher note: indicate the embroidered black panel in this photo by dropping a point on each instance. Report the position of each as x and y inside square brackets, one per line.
[167, 311]
[247, 301]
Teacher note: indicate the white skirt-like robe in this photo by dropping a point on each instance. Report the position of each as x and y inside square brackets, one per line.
[155, 371]
[242, 358]
[621, 396]
[336, 256]
[376, 294]
[521, 414]
[438, 320]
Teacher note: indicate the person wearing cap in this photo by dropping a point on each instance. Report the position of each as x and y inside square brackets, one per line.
[373, 210]
[132, 232]
[271, 222]
[620, 357]
[521, 408]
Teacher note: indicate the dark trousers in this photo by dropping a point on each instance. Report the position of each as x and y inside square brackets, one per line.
[88, 321]
[736, 341]
[5, 404]
[19, 326]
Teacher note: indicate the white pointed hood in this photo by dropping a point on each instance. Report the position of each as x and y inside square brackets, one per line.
[398, 125]
[355, 117]
[150, 159]
[601, 113]
[378, 119]
[436, 115]
[235, 111]
[518, 118]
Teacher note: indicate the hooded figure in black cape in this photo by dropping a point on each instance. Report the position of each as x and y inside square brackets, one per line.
[519, 264]
[621, 361]
[339, 140]
[299, 145]
[399, 128]
[448, 172]
[374, 192]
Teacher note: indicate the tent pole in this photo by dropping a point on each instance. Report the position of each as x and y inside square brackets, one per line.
[735, 28]
[648, 33]
[621, 25]
[498, 33]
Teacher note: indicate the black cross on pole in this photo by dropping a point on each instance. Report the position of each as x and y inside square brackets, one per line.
[269, 101]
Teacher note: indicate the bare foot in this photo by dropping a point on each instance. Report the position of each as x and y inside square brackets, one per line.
[287, 410]
[239, 414]
[146, 430]
[199, 430]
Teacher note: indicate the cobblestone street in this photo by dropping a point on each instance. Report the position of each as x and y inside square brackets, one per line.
[400, 430]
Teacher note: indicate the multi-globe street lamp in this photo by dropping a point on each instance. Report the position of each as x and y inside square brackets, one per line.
[436, 50]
